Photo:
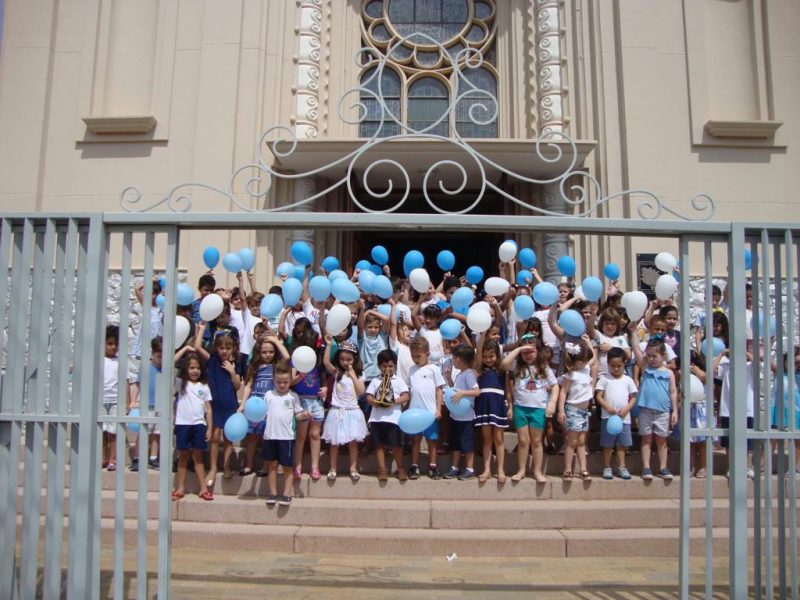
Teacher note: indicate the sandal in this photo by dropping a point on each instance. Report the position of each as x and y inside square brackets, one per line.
[332, 475]
[585, 475]
[354, 476]
[261, 473]
[315, 474]
[207, 495]
[297, 472]
[501, 478]
[483, 477]
[176, 495]
[517, 477]
[245, 472]
[112, 466]
[540, 478]
[567, 475]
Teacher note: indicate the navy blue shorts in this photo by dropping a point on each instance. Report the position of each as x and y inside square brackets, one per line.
[462, 436]
[725, 423]
[280, 450]
[385, 435]
[190, 437]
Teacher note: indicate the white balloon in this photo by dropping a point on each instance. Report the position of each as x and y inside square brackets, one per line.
[578, 293]
[507, 251]
[304, 359]
[666, 262]
[666, 286]
[420, 280]
[484, 306]
[479, 320]
[697, 391]
[496, 286]
[211, 307]
[338, 319]
[182, 329]
[636, 305]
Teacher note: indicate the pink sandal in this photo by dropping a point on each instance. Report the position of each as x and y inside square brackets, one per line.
[297, 472]
[315, 474]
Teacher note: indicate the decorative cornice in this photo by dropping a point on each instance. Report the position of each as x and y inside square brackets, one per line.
[132, 124]
[550, 85]
[752, 130]
[309, 34]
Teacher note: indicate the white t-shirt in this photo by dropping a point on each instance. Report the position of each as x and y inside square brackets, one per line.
[465, 380]
[237, 320]
[617, 393]
[190, 407]
[618, 341]
[280, 415]
[580, 390]
[435, 342]
[311, 312]
[724, 373]
[110, 380]
[404, 360]
[423, 383]
[389, 414]
[670, 352]
[532, 391]
[548, 337]
[344, 393]
[249, 322]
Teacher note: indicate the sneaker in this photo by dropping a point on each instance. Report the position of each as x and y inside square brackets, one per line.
[665, 474]
[413, 472]
[466, 474]
[452, 473]
[284, 500]
[624, 473]
[271, 500]
[134, 465]
[154, 464]
[751, 474]
[433, 472]
[647, 474]
[608, 473]
[112, 466]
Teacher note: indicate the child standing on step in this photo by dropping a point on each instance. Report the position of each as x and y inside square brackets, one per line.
[491, 410]
[461, 428]
[616, 395]
[577, 389]
[193, 424]
[387, 394]
[427, 385]
[283, 407]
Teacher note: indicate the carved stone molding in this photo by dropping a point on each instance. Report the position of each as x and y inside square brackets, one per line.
[309, 34]
[549, 79]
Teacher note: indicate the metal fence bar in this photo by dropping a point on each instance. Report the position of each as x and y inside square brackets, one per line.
[757, 447]
[778, 389]
[685, 508]
[57, 431]
[122, 376]
[7, 462]
[708, 448]
[763, 311]
[792, 255]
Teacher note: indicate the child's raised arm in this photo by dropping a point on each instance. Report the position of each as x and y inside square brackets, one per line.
[552, 320]
[326, 357]
[587, 342]
[198, 341]
[636, 347]
[279, 347]
[392, 320]
[282, 323]
[476, 362]
[508, 361]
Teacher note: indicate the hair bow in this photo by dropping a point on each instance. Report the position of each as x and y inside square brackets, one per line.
[572, 349]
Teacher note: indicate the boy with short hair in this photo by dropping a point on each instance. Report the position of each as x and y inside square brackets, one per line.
[110, 395]
[616, 394]
[386, 395]
[461, 428]
[426, 385]
[283, 407]
[156, 345]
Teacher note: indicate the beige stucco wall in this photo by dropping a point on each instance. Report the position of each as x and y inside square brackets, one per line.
[215, 73]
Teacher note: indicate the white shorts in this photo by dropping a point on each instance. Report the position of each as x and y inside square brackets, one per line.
[109, 409]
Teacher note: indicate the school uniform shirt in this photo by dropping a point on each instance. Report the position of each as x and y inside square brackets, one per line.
[617, 341]
[237, 321]
[190, 407]
[580, 388]
[404, 360]
[343, 394]
[617, 392]
[424, 381]
[724, 373]
[110, 380]
[465, 380]
[435, 342]
[280, 415]
[531, 390]
[368, 349]
[311, 313]
[388, 414]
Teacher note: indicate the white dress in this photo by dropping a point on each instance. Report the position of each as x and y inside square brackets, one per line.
[345, 422]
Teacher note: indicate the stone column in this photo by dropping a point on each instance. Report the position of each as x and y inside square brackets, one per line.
[303, 188]
[555, 244]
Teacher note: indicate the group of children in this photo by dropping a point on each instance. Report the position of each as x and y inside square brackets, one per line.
[527, 373]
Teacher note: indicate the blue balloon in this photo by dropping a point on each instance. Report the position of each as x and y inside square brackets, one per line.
[134, 427]
[443, 304]
[376, 269]
[211, 257]
[380, 255]
[248, 258]
[161, 301]
[545, 293]
[320, 288]
[302, 253]
[450, 329]
[299, 272]
[337, 274]
[365, 279]
[614, 425]
[162, 283]
[285, 269]
[416, 420]
[761, 325]
[363, 265]
[524, 307]
[382, 287]
[592, 288]
[611, 271]
[345, 291]
[748, 259]
[457, 409]
[292, 291]
[184, 294]
[566, 265]
[255, 409]
[232, 262]
[235, 427]
[572, 322]
[384, 309]
[716, 346]
[330, 263]
[527, 258]
[524, 278]
[271, 306]
[474, 275]
[413, 260]
[446, 260]
[462, 298]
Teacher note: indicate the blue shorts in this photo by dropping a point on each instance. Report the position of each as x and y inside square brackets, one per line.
[254, 428]
[314, 406]
[577, 418]
[623, 439]
[280, 450]
[432, 432]
[462, 436]
[190, 437]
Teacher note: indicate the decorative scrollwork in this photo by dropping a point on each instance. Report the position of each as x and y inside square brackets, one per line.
[388, 182]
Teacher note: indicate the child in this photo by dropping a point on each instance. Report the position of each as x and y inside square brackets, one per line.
[193, 424]
[573, 403]
[609, 334]
[616, 395]
[155, 377]
[309, 387]
[257, 382]
[722, 366]
[429, 329]
[205, 285]
[345, 422]
[225, 371]
[658, 402]
[426, 385]
[491, 410]
[283, 406]
[461, 428]
[699, 418]
[784, 422]
[110, 395]
[387, 395]
[372, 340]
[672, 337]
[399, 337]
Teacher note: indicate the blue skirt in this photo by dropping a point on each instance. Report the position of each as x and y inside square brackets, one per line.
[490, 409]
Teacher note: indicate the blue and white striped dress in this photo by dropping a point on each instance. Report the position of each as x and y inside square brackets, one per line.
[490, 405]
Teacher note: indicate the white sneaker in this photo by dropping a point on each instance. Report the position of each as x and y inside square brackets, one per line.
[751, 474]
